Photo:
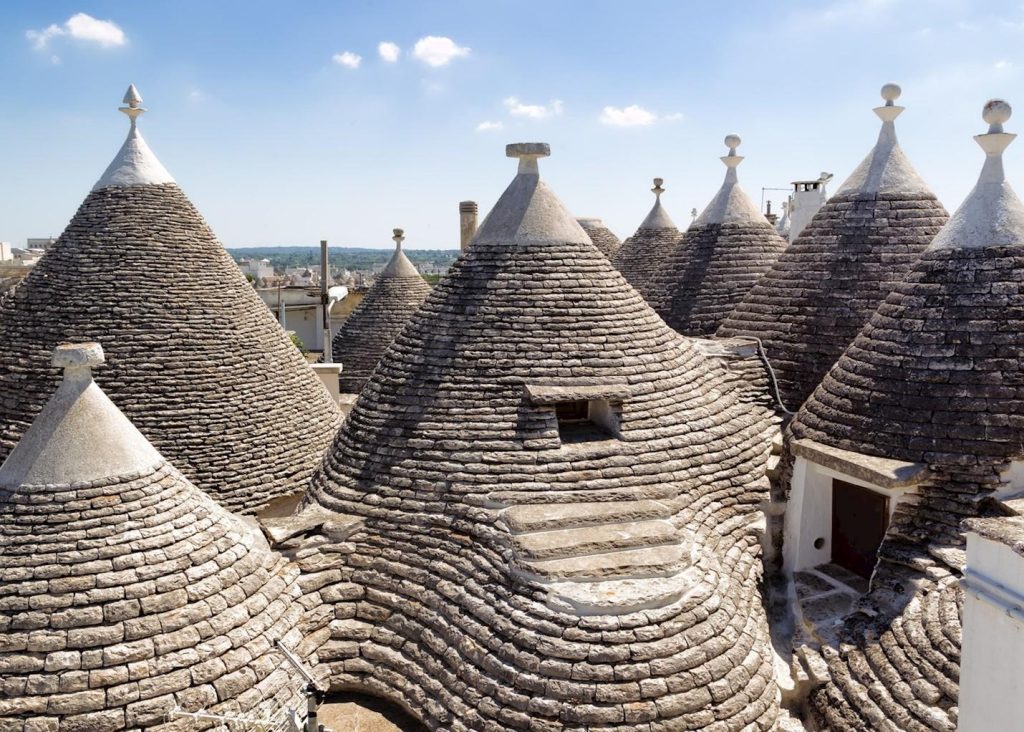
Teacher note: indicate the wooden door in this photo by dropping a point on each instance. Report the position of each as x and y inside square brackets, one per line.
[859, 519]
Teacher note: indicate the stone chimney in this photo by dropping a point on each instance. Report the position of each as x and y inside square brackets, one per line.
[467, 223]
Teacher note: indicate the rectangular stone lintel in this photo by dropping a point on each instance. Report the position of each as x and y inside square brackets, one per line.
[883, 472]
[542, 394]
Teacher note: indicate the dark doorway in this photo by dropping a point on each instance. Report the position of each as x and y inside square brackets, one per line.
[859, 519]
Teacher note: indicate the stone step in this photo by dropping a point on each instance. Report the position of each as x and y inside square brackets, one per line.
[547, 516]
[582, 540]
[777, 442]
[658, 561]
[772, 466]
[555, 497]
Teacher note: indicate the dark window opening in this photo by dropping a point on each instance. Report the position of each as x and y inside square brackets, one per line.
[575, 411]
[581, 420]
[860, 517]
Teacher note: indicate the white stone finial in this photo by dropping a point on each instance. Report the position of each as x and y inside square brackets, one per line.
[528, 153]
[133, 99]
[658, 189]
[992, 215]
[732, 159]
[398, 238]
[77, 359]
[995, 141]
[135, 164]
[890, 93]
[996, 112]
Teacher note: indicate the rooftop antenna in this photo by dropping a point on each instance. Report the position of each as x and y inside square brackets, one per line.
[325, 301]
[313, 693]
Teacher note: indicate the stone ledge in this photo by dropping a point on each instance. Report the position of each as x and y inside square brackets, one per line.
[879, 471]
[546, 394]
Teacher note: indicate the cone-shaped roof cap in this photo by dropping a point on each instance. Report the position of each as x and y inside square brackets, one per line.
[135, 164]
[123, 561]
[731, 205]
[193, 356]
[718, 259]
[455, 442]
[822, 289]
[378, 319]
[886, 170]
[642, 256]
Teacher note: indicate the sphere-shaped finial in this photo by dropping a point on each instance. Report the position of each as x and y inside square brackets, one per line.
[890, 93]
[732, 142]
[996, 111]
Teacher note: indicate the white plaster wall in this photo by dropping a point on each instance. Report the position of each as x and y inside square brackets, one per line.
[992, 655]
[1014, 480]
[809, 513]
[805, 205]
[808, 517]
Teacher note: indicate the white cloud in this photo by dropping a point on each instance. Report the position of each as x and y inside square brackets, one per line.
[389, 51]
[634, 116]
[347, 59]
[533, 111]
[438, 50]
[87, 28]
[488, 125]
[1001, 65]
[81, 27]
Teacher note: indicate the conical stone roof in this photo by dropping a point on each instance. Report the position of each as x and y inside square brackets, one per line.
[642, 256]
[195, 358]
[603, 237]
[513, 573]
[821, 291]
[935, 377]
[126, 592]
[379, 318]
[719, 258]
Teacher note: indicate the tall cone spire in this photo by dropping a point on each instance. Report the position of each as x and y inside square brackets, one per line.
[135, 164]
[718, 259]
[193, 356]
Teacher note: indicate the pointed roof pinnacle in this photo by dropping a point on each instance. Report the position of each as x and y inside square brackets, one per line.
[133, 99]
[732, 159]
[79, 436]
[135, 164]
[730, 205]
[399, 264]
[886, 168]
[992, 214]
[658, 218]
[889, 112]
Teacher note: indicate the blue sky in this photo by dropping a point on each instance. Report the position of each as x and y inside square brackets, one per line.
[257, 111]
